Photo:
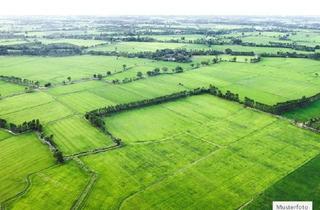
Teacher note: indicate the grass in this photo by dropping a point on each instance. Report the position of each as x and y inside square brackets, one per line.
[57, 69]
[133, 47]
[45, 113]
[23, 102]
[56, 187]
[74, 134]
[199, 152]
[305, 113]
[20, 156]
[7, 89]
[83, 101]
[301, 185]
[79, 42]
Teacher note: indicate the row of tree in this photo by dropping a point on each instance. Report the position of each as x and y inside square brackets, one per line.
[282, 107]
[20, 81]
[36, 126]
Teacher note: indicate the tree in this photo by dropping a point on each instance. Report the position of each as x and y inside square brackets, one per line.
[228, 51]
[156, 70]
[108, 73]
[164, 69]
[178, 69]
[124, 67]
[69, 79]
[99, 76]
[139, 74]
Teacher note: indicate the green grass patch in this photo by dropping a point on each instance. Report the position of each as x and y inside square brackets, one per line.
[74, 135]
[10, 89]
[301, 185]
[53, 188]
[198, 152]
[20, 156]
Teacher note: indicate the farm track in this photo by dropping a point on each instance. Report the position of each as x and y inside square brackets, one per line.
[80, 201]
[93, 151]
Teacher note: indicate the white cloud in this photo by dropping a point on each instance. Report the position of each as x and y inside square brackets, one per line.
[159, 7]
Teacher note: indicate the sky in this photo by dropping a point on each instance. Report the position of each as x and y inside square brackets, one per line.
[160, 7]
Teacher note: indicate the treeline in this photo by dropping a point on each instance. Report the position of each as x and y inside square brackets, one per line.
[315, 56]
[281, 45]
[39, 49]
[177, 55]
[36, 126]
[183, 55]
[19, 81]
[282, 107]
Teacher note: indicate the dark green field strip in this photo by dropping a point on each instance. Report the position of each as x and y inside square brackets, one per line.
[303, 184]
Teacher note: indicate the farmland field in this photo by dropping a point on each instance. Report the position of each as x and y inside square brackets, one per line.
[234, 138]
[159, 112]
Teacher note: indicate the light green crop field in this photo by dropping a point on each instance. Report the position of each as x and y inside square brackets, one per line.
[20, 156]
[173, 162]
[79, 42]
[7, 89]
[260, 81]
[132, 47]
[74, 134]
[305, 113]
[53, 187]
[57, 69]
[301, 185]
[257, 50]
[45, 113]
[185, 37]
[83, 101]
[24, 102]
[196, 152]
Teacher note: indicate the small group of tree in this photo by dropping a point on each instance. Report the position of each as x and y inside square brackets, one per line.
[314, 123]
[33, 125]
[36, 126]
[97, 76]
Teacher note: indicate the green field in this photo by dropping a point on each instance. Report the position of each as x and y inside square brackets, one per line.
[7, 89]
[79, 42]
[20, 156]
[63, 185]
[57, 69]
[74, 134]
[132, 47]
[301, 185]
[122, 127]
[187, 165]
